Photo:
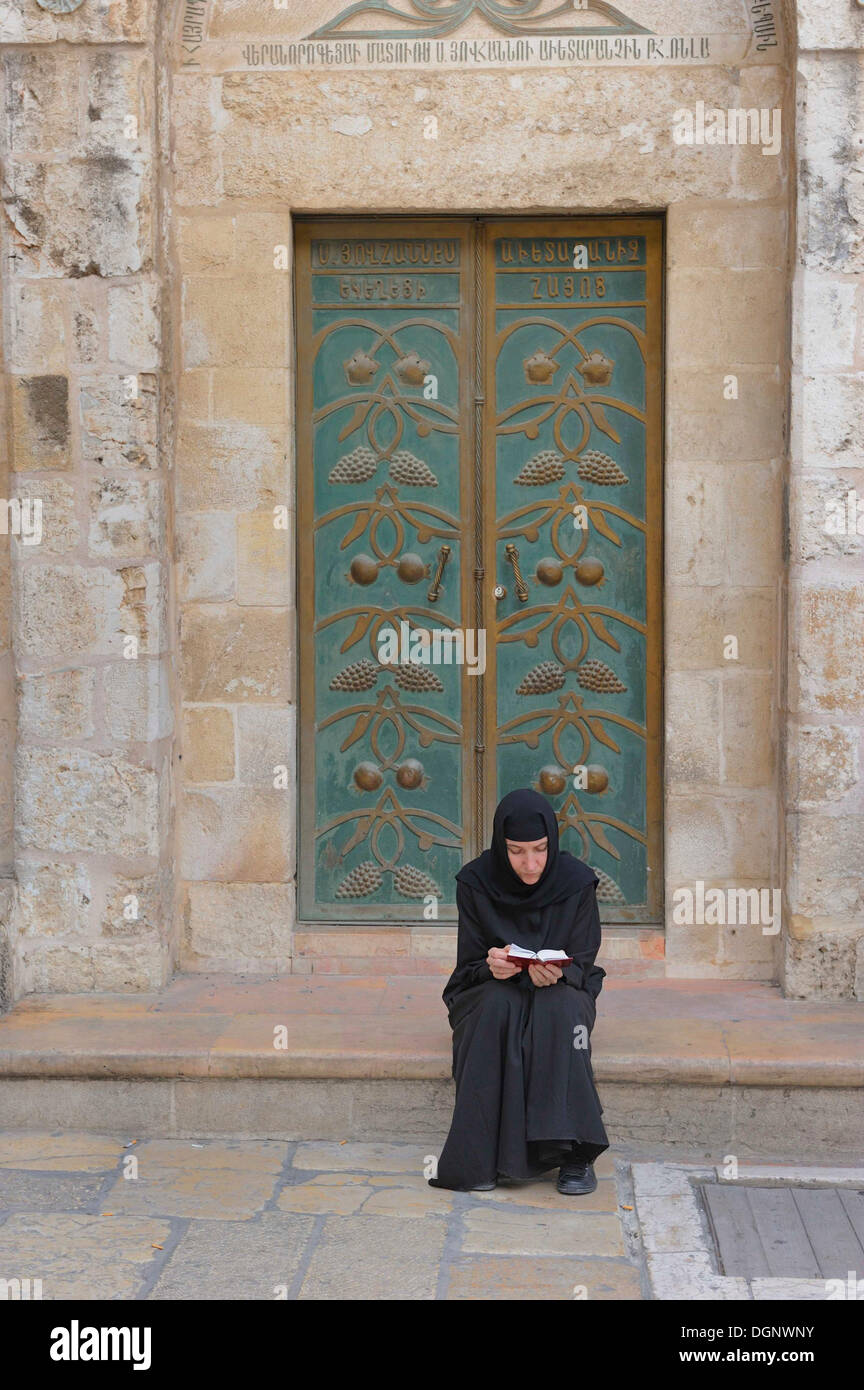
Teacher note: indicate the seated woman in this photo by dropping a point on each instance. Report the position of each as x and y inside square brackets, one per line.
[525, 1094]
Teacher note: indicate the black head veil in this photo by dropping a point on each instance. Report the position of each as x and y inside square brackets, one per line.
[525, 815]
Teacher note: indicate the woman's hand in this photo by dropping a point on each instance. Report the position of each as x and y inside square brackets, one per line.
[498, 963]
[543, 973]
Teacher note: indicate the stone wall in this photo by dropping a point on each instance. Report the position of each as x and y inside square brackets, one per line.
[824, 784]
[82, 311]
[148, 349]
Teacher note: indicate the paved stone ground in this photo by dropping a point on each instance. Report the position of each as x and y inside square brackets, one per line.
[97, 1216]
[267, 1219]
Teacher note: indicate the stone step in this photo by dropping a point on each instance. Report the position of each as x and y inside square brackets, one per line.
[690, 1062]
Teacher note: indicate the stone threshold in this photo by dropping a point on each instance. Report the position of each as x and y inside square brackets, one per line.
[650, 1032]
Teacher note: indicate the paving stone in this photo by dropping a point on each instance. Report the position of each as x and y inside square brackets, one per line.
[659, 1179]
[545, 1195]
[63, 1152]
[517, 1233]
[497, 1277]
[687, 1275]
[225, 1180]
[81, 1256]
[214, 1193]
[831, 1176]
[671, 1223]
[249, 1155]
[236, 1259]
[343, 1194]
[372, 1158]
[376, 1257]
[48, 1191]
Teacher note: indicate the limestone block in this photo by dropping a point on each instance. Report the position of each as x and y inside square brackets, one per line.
[816, 899]
[127, 518]
[833, 846]
[820, 967]
[829, 26]
[692, 720]
[825, 322]
[749, 735]
[703, 425]
[205, 242]
[37, 331]
[263, 560]
[234, 655]
[253, 395]
[136, 700]
[106, 21]
[53, 899]
[118, 429]
[239, 921]
[266, 742]
[741, 236]
[764, 88]
[819, 502]
[55, 201]
[208, 744]
[206, 555]
[133, 325]
[76, 800]
[830, 407]
[196, 117]
[696, 524]
[727, 318]
[236, 322]
[38, 112]
[699, 620]
[118, 967]
[229, 466]
[831, 201]
[710, 837]
[56, 706]
[236, 835]
[754, 542]
[117, 83]
[193, 396]
[134, 967]
[53, 525]
[822, 762]
[830, 676]
[86, 307]
[66, 609]
[137, 907]
[39, 431]
[584, 142]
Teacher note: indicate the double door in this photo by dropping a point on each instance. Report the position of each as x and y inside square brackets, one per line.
[479, 552]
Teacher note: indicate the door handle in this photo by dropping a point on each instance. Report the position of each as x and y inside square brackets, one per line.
[443, 557]
[521, 587]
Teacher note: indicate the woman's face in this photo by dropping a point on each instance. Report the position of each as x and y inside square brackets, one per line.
[528, 857]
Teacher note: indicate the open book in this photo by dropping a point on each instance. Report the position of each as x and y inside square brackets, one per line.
[518, 955]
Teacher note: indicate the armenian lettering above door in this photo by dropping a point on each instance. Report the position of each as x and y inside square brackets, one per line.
[478, 553]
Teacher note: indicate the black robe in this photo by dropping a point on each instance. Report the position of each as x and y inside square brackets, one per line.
[526, 1100]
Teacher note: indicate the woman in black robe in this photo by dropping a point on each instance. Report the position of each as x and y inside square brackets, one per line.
[525, 1094]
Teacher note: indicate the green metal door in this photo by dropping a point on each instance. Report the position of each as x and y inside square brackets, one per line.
[476, 414]
[571, 440]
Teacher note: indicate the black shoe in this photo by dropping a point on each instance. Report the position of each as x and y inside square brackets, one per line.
[482, 1187]
[575, 1179]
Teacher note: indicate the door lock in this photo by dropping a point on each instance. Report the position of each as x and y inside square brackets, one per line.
[499, 591]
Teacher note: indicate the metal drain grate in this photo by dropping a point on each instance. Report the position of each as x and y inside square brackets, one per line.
[799, 1232]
